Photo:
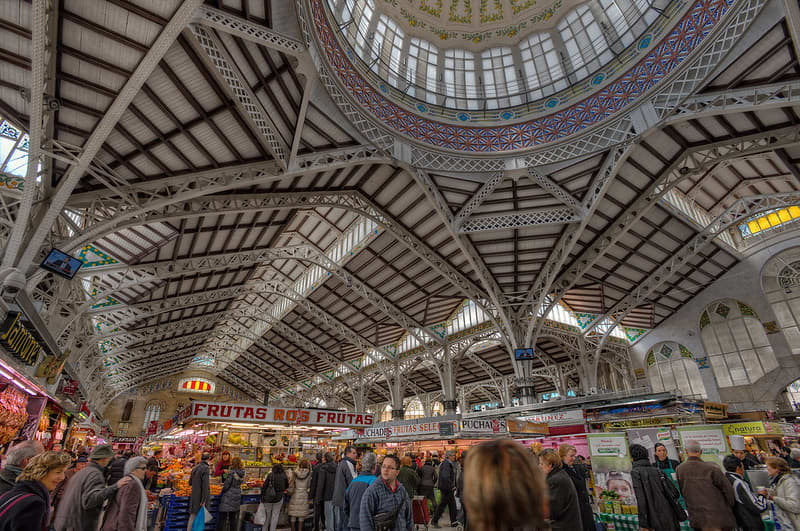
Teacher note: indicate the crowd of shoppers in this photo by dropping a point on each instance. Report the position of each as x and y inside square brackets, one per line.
[44, 491]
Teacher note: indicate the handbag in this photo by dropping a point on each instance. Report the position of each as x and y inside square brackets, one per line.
[673, 496]
[386, 521]
[269, 492]
[260, 517]
[207, 514]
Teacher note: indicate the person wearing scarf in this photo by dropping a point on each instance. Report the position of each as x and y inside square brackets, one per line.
[128, 509]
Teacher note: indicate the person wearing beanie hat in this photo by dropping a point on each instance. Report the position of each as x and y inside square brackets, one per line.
[85, 494]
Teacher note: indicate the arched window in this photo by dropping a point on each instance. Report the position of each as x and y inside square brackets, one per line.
[793, 394]
[362, 12]
[437, 409]
[630, 18]
[587, 48]
[386, 414]
[459, 79]
[414, 410]
[389, 47]
[422, 69]
[152, 412]
[542, 65]
[781, 281]
[736, 343]
[672, 367]
[499, 78]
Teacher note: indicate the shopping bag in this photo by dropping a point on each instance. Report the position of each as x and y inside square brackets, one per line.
[261, 515]
[199, 523]
[207, 514]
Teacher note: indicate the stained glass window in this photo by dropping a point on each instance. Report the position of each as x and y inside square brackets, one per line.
[736, 344]
[768, 221]
[414, 410]
[783, 293]
[13, 154]
[196, 385]
[671, 372]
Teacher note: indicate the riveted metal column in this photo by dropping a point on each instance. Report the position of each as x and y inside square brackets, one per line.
[396, 392]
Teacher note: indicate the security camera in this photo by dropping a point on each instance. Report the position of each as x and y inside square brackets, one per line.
[13, 283]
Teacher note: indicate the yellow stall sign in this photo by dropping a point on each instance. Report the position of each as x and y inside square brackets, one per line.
[745, 428]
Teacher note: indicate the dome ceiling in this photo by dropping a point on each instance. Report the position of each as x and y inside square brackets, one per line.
[474, 24]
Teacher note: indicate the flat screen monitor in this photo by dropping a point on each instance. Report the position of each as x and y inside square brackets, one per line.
[61, 263]
[522, 354]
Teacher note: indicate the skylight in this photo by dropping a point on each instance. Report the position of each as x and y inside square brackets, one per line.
[768, 221]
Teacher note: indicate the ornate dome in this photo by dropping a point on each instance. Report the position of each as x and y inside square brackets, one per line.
[491, 54]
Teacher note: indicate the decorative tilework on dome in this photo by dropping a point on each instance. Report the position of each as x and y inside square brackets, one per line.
[692, 29]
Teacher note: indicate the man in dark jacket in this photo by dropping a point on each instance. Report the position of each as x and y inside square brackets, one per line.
[654, 493]
[201, 491]
[319, 510]
[118, 466]
[447, 484]
[345, 473]
[749, 505]
[708, 494]
[323, 496]
[16, 459]
[153, 468]
[352, 506]
[568, 453]
[387, 495]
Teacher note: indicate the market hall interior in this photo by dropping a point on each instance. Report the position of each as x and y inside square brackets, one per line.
[274, 227]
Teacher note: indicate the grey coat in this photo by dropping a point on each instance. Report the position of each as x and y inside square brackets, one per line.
[231, 498]
[378, 498]
[83, 500]
[199, 482]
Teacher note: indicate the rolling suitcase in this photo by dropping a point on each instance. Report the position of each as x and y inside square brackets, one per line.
[419, 506]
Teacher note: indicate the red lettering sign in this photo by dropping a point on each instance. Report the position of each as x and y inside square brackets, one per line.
[234, 412]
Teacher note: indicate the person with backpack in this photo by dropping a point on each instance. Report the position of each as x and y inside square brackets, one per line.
[323, 494]
[656, 495]
[231, 497]
[272, 492]
[427, 480]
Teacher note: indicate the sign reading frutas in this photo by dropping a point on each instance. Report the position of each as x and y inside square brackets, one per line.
[18, 340]
[279, 415]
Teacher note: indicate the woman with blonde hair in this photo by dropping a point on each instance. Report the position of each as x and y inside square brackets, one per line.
[565, 513]
[27, 505]
[503, 488]
[784, 492]
[577, 474]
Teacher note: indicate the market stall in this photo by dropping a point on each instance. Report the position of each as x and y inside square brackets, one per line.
[261, 436]
[564, 427]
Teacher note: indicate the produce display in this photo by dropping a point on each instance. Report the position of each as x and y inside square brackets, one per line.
[12, 413]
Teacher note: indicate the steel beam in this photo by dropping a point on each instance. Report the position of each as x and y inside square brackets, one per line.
[693, 161]
[478, 198]
[547, 184]
[519, 219]
[244, 97]
[133, 85]
[739, 211]
[249, 31]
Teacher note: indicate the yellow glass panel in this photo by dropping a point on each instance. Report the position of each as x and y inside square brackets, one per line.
[784, 215]
[794, 211]
[763, 223]
[773, 218]
[753, 226]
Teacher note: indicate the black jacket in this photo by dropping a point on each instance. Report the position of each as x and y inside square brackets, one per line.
[8, 477]
[117, 470]
[28, 513]
[749, 505]
[427, 476]
[325, 482]
[564, 510]
[279, 482]
[579, 480]
[652, 489]
[447, 476]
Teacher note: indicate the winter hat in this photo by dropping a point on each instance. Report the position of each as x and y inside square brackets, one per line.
[103, 451]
